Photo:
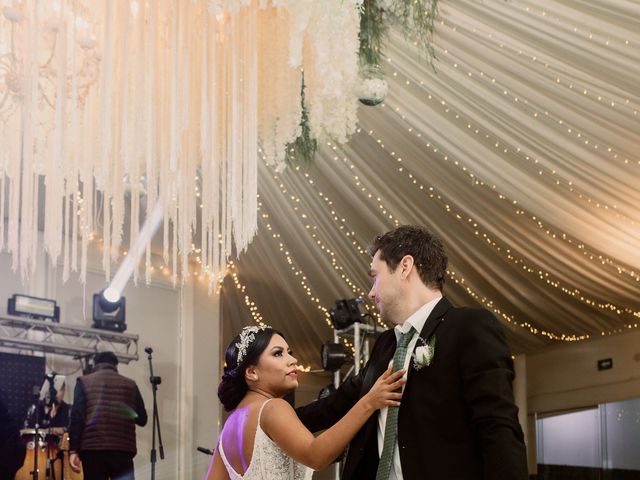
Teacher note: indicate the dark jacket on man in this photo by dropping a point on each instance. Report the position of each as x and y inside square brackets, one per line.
[106, 408]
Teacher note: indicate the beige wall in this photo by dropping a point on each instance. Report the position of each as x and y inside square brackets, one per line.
[566, 377]
[202, 370]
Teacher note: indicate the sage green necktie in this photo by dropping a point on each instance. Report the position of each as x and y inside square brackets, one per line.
[391, 427]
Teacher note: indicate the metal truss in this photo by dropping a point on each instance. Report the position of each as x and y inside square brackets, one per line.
[359, 334]
[43, 336]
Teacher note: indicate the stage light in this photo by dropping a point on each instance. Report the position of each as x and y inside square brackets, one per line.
[332, 356]
[33, 307]
[109, 305]
[111, 295]
[345, 313]
[109, 315]
[326, 391]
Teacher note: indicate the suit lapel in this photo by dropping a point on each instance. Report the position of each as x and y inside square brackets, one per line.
[436, 317]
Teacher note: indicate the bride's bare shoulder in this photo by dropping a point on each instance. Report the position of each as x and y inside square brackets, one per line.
[277, 404]
[276, 412]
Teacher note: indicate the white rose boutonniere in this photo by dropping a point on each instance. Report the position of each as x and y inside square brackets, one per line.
[424, 352]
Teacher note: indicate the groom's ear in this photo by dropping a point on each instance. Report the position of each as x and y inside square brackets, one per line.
[406, 265]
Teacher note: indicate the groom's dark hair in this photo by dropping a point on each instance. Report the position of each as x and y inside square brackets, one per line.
[425, 247]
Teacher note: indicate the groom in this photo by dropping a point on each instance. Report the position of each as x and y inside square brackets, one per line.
[457, 418]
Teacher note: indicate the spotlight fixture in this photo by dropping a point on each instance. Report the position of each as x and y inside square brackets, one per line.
[111, 295]
[108, 314]
[332, 356]
[345, 313]
[33, 307]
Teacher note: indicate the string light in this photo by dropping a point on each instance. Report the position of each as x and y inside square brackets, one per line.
[350, 235]
[488, 303]
[503, 251]
[599, 39]
[561, 77]
[588, 253]
[251, 305]
[459, 280]
[299, 274]
[584, 90]
[516, 151]
[606, 40]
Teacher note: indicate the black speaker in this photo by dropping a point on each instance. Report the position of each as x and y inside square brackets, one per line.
[19, 376]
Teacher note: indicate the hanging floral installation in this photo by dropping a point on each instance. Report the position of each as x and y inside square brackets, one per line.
[416, 19]
[107, 108]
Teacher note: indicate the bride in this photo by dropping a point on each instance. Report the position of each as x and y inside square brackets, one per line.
[263, 439]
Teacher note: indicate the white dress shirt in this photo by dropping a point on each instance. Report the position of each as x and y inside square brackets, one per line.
[417, 321]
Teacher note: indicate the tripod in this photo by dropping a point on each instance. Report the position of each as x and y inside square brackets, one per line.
[155, 381]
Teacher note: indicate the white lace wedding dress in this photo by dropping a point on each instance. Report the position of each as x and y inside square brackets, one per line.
[268, 461]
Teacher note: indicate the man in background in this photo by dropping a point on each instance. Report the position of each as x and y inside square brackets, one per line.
[102, 434]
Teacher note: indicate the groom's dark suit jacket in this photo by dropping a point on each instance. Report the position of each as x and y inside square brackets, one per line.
[457, 418]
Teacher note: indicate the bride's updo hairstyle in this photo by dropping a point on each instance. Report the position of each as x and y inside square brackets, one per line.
[242, 352]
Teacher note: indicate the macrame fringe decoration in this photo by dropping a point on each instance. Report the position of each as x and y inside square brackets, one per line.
[109, 107]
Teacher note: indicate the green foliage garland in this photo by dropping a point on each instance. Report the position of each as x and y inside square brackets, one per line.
[304, 147]
[373, 29]
[416, 17]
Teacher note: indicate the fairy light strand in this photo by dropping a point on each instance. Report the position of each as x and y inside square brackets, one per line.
[503, 251]
[298, 273]
[560, 77]
[518, 152]
[558, 80]
[350, 235]
[575, 243]
[456, 278]
[251, 305]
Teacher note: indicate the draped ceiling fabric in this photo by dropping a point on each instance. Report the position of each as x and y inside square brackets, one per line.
[521, 150]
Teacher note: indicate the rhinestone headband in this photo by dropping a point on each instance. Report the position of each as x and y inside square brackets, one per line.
[247, 337]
